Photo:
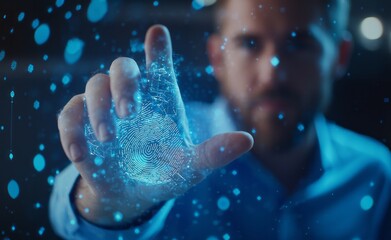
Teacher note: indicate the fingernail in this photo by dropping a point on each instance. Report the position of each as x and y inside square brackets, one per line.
[103, 132]
[76, 153]
[124, 108]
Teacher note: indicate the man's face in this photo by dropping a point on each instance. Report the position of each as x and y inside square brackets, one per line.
[275, 64]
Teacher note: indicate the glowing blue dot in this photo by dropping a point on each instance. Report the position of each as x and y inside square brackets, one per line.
[39, 162]
[234, 172]
[14, 64]
[73, 50]
[13, 189]
[66, 79]
[275, 61]
[137, 231]
[45, 57]
[68, 15]
[78, 7]
[222, 149]
[209, 70]
[118, 216]
[86, 210]
[11, 156]
[155, 3]
[96, 10]
[41, 147]
[98, 161]
[35, 23]
[97, 37]
[42, 34]
[36, 105]
[51, 180]
[226, 236]
[21, 16]
[259, 198]
[253, 131]
[223, 203]
[386, 100]
[59, 3]
[300, 127]
[37, 205]
[134, 33]
[12, 94]
[72, 221]
[293, 34]
[41, 230]
[53, 87]
[30, 68]
[236, 191]
[366, 202]
[50, 10]
[212, 238]
[196, 214]
[2, 55]
[281, 116]
[197, 5]
[13, 227]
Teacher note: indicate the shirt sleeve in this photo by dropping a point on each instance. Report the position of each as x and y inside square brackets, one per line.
[68, 224]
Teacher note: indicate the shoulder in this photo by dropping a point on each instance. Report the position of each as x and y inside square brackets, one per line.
[352, 147]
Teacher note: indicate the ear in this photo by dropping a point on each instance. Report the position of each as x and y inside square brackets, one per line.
[344, 55]
[215, 55]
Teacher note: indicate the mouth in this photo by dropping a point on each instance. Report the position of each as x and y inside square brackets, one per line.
[273, 105]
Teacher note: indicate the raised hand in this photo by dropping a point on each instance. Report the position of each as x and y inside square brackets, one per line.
[128, 137]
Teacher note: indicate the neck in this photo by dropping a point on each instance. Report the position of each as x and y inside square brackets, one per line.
[290, 166]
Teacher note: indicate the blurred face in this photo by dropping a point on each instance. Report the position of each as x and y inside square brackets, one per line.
[275, 64]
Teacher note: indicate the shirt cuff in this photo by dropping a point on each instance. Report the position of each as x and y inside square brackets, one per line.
[69, 225]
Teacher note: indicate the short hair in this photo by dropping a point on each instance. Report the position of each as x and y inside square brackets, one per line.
[337, 17]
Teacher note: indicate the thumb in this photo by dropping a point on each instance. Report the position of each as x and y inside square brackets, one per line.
[222, 149]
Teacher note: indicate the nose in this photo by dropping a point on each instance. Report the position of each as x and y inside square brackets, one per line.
[268, 65]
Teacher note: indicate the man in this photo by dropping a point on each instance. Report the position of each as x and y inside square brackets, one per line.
[303, 178]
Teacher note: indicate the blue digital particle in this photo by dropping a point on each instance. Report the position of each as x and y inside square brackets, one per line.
[275, 61]
[59, 3]
[78, 7]
[137, 231]
[281, 116]
[13, 189]
[98, 161]
[36, 104]
[21, 16]
[12, 94]
[14, 64]
[41, 147]
[37, 205]
[212, 238]
[50, 10]
[234, 172]
[68, 15]
[118, 216]
[300, 127]
[156, 3]
[30, 68]
[366, 202]
[2, 55]
[42, 34]
[97, 37]
[97, 9]
[259, 198]
[73, 50]
[53, 87]
[197, 5]
[209, 70]
[222, 149]
[39, 162]
[223, 203]
[11, 156]
[41, 231]
[253, 131]
[13, 228]
[236, 191]
[226, 236]
[66, 79]
[293, 34]
[51, 180]
[45, 57]
[35, 23]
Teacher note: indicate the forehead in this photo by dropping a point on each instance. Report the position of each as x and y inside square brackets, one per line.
[270, 16]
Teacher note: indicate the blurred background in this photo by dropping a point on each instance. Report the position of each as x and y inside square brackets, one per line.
[50, 48]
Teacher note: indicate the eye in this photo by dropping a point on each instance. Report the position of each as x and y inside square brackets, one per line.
[250, 44]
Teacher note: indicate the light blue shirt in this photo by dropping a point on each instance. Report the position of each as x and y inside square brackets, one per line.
[344, 195]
